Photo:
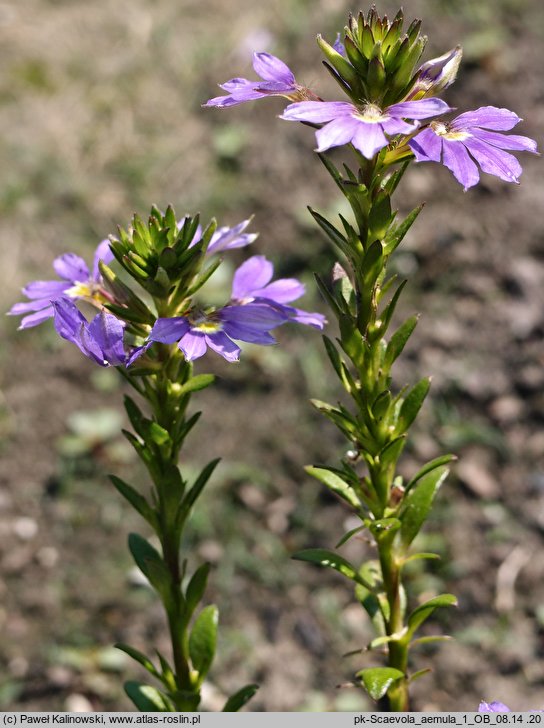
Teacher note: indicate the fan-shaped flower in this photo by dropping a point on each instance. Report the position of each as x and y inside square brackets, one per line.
[77, 283]
[474, 137]
[365, 126]
[100, 340]
[252, 283]
[277, 80]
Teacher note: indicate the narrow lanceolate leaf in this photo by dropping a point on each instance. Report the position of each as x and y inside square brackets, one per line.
[334, 483]
[421, 613]
[322, 557]
[347, 536]
[196, 588]
[412, 404]
[203, 640]
[398, 341]
[147, 698]
[137, 501]
[419, 673]
[150, 563]
[139, 657]
[428, 467]
[198, 487]
[394, 238]
[417, 504]
[389, 310]
[378, 680]
[240, 698]
[332, 233]
[196, 383]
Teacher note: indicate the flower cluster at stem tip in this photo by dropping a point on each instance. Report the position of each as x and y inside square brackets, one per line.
[256, 306]
[411, 126]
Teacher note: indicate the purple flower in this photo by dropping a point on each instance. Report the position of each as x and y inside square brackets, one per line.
[437, 74]
[77, 283]
[365, 126]
[100, 340]
[225, 238]
[277, 80]
[493, 708]
[338, 45]
[197, 331]
[473, 137]
[251, 283]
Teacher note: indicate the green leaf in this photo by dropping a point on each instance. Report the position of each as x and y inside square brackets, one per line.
[332, 233]
[389, 310]
[419, 556]
[419, 673]
[383, 527]
[203, 640]
[240, 698]
[346, 537]
[412, 404]
[424, 611]
[137, 501]
[398, 341]
[196, 588]
[147, 698]
[195, 384]
[417, 504]
[334, 483]
[428, 467]
[197, 488]
[378, 680]
[150, 563]
[139, 657]
[394, 238]
[430, 639]
[371, 574]
[323, 557]
[380, 216]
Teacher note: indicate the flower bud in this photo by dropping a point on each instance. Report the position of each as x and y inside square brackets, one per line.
[436, 75]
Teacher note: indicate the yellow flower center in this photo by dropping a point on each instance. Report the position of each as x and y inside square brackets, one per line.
[445, 131]
[371, 114]
[206, 324]
[88, 290]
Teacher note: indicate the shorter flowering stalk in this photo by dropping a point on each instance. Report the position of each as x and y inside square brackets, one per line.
[153, 337]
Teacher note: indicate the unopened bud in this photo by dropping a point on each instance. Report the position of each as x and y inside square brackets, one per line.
[437, 74]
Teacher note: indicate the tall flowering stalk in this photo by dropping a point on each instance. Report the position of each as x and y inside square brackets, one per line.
[391, 118]
[152, 329]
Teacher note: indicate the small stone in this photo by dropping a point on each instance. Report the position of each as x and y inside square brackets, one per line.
[25, 528]
[77, 703]
[507, 409]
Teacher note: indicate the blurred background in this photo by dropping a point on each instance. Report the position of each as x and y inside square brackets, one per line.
[99, 118]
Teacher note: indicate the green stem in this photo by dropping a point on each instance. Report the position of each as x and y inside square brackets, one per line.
[398, 649]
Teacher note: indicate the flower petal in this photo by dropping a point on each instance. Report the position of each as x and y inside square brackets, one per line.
[221, 344]
[254, 316]
[193, 345]
[45, 289]
[251, 335]
[36, 318]
[427, 146]
[71, 267]
[317, 112]
[494, 707]
[225, 238]
[102, 253]
[335, 133]
[169, 330]
[488, 117]
[271, 68]
[255, 273]
[309, 318]
[493, 160]
[457, 159]
[421, 109]
[397, 126]
[37, 304]
[506, 141]
[369, 139]
[108, 332]
[284, 290]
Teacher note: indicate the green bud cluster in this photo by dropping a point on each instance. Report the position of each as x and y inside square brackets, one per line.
[381, 60]
[161, 255]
